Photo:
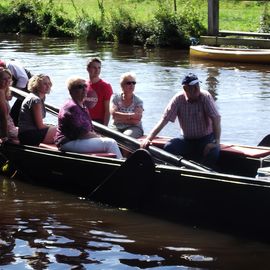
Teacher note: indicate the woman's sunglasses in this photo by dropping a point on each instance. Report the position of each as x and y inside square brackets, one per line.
[80, 86]
[131, 82]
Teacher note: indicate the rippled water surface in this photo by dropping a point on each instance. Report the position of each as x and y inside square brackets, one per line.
[45, 229]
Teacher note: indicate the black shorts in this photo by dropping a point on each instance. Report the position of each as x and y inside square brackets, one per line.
[33, 137]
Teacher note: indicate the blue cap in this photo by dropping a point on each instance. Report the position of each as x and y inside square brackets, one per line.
[190, 79]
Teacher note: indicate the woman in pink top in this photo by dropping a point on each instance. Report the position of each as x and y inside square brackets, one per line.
[75, 131]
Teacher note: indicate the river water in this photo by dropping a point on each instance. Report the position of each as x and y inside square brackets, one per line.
[45, 229]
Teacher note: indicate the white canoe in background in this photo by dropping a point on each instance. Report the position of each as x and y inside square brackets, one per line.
[259, 56]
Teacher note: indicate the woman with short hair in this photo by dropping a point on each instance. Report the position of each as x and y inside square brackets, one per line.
[75, 131]
[126, 108]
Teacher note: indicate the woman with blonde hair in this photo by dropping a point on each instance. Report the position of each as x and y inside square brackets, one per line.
[32, 129]
[8, 131]
[126, 108]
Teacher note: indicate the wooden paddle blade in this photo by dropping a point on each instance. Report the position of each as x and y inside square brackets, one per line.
[265, 141]
[128, 185]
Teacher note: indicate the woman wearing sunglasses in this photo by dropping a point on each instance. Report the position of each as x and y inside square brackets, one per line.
[126, 108]
[75, 131]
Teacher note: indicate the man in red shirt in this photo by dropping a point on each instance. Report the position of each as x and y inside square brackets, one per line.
[98, 93]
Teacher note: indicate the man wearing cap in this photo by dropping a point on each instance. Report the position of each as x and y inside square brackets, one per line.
[199, 120]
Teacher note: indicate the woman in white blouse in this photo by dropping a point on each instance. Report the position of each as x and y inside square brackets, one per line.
[126, 108]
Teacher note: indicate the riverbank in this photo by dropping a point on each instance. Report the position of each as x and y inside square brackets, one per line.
[147, 23]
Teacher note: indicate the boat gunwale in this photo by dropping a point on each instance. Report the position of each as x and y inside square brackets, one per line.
[209, 176]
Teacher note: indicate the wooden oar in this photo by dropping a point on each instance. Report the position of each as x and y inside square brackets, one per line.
[128, 142]
[133, 144]
[18, 93]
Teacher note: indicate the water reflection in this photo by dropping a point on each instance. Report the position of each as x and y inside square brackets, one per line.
[212, 81]
[45, 230]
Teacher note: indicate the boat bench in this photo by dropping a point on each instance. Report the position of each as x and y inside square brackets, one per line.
[240, 150]
[99, 154]
[246, 151]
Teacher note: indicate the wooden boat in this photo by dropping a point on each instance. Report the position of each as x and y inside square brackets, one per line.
[158, 183]
[258, 56]
[234, 200]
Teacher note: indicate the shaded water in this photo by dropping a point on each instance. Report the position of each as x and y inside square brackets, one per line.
[45, 229]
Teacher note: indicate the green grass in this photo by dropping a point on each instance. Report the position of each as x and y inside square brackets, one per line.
[233, 15]
[143, 9]
[240, 15]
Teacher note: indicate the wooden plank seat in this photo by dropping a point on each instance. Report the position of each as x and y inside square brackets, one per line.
[101, 154]
[242, 150]
[246, 151]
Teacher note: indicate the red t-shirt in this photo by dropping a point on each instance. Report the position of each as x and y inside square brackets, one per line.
[97, 94]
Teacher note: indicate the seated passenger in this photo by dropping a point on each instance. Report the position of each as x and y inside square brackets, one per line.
[127, 108]
[20, 77]
[32, 130]
[75, 131]
[8, 131]
[199, 120]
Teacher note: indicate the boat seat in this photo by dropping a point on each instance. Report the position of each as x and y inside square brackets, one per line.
[242, 150]
[101, 154]
[246, 151]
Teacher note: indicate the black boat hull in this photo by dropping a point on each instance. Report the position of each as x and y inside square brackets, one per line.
[230, 202]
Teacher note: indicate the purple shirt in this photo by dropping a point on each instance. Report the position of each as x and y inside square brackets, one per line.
[73, 122]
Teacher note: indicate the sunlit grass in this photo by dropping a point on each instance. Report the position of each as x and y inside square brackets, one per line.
[143, 10]
[233, 15]
[241, 15]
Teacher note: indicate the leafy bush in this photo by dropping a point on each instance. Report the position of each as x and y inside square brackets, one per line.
[167, 28]
[36, 17]
[175, 29]
[93, 29]
[123, 26]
